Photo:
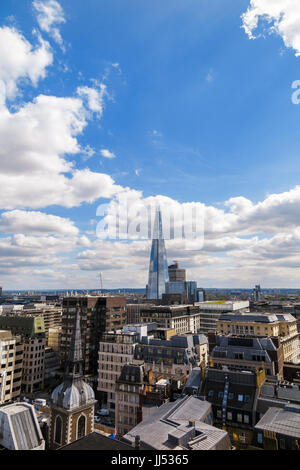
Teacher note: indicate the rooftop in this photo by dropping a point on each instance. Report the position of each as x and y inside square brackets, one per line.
[19, 428]
[96, 441]
[257, 317]
[284, 421]
[5, 335]
[180, 425]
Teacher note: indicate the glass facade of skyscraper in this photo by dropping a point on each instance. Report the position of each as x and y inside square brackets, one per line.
[158, 269]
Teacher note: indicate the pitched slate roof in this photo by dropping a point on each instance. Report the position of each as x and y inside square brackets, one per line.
[284, 421]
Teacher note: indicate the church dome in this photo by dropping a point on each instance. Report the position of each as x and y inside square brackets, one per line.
[72, 395]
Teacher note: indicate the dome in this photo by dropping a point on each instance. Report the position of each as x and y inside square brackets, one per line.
[72, 395]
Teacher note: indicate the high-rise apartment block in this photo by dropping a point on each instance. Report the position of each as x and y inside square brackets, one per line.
[54, 335]
[11, 365]
[115, 350]
[176, 274]
[52, 315]
[97, 316]
[32, 331]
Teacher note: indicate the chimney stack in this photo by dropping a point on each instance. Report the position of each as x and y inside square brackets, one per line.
[137, 442]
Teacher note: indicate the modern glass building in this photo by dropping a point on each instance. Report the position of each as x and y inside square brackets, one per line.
[158, 269]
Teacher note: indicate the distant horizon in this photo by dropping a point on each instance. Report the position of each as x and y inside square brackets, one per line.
[137, 289]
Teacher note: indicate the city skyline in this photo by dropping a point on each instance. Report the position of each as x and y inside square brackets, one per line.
[182, 104]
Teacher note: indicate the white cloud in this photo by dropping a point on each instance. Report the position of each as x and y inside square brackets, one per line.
[19, 60]
[88, 152]
[35, 171]
[46, 130]
[94, 97]
[49, 15]
[38, 191]
[282, 17]
[38, 138]
[210, 76]
[107, 153]
[156, 133]
[18, 221]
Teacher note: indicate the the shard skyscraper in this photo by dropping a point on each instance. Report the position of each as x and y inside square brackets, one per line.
[158, 269]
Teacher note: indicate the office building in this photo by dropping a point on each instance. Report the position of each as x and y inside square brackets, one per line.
[179, 353]
[128, 387]
[133, 313]
[233, 394]
[52, 314]
[54, 336]
[188, 290]
[181, 318]
[211, 311]
[32, 332]
[282, 326]
[248, 353]
[138, 394]
[98, 314]
[115, 350]
[256, 294]
[11, 366]
[176, 274]
[158, 267]
[52, 364]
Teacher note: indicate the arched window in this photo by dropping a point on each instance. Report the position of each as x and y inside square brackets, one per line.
[81, 427]
[58, 430]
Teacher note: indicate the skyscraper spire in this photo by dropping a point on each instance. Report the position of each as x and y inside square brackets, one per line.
[158, 268]
[74, 362]
[157, 227]
[73, 392]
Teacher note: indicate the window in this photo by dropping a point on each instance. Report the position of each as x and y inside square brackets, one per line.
[247, 398]
[219, 414]
[211, 393]
[230, 396]
[246, 419]
[220, 395]
[81, 427]
[240, 397]
[58, 430]
[240, 418]
[282, 443]
[229, 416]
[259, 438]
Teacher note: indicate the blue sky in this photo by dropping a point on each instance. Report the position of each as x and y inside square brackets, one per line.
[193, 110]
